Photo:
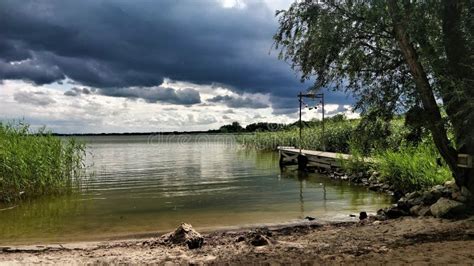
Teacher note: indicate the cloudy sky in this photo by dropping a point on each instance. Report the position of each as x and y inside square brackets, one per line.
[143, 65]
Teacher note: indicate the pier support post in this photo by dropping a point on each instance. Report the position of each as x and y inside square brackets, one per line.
[302, 162]
[282, 162]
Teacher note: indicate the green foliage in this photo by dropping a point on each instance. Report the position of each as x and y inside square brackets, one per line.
[349, 46]
[263, 126]
[231, 128]
[37, 163]
[375, 134]
[412, 167]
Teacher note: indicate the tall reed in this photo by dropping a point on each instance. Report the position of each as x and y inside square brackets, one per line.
[34, 163]
[335, 138]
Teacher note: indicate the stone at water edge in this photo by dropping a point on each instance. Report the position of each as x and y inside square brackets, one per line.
[363, 216]
[416, 201]
[415, 209]
[447, 208]
[185, 234]
[409, 200]
[430, 197]
[420, 210]
[372, 179]
[413, 195]
[395, 212]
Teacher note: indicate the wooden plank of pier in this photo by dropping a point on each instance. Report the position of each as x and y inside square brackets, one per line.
[291, 155]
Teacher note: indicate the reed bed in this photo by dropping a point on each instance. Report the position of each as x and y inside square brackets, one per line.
[35, 163]
[336, 137]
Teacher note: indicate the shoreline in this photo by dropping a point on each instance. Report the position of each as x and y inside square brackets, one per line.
[204, 230]
[45, 246]
[403, 240]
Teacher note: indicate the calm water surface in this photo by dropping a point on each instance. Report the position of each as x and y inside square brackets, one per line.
[145, 184]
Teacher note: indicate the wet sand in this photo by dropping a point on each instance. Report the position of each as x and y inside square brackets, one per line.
[404, 240]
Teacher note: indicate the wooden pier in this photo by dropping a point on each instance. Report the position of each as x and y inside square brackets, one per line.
[309, 158]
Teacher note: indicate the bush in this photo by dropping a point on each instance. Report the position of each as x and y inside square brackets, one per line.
[37, 163]
[412, 168]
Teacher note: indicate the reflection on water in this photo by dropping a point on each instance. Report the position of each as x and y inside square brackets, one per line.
[145, 184]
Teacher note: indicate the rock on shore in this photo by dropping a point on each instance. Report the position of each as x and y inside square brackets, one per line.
[441, 201]
[446, 208]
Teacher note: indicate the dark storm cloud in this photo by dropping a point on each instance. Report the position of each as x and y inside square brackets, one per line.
[282, 105]
[110, 44]
[32, 70]
[11, 50]
[34, 98]
[238, 102]
[157, 94]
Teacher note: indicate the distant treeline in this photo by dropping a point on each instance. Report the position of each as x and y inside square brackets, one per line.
[234, 127]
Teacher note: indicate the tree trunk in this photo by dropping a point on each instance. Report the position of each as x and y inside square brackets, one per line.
[458, 93]
[435, 123]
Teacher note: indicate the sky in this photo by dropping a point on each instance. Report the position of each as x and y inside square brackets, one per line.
[94, 66]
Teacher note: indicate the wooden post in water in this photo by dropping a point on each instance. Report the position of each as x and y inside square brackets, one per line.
[302, 162]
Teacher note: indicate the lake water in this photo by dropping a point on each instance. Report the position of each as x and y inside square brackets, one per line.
[140, 185]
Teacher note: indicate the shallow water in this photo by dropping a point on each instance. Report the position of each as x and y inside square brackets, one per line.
[144, 184]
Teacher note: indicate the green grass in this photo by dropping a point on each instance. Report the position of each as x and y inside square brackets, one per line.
[37, 163]
[412, 168]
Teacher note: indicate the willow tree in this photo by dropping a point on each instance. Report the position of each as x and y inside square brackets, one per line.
[393, 56]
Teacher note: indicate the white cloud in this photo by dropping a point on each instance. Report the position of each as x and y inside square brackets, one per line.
[92, 112]
[240, 4]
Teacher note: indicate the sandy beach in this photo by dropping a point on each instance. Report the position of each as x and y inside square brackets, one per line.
[404, 240]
